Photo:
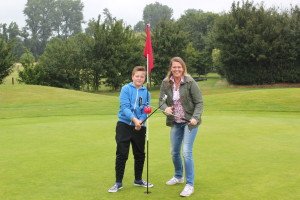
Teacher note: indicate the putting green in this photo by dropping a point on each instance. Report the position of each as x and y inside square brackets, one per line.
[59, 144]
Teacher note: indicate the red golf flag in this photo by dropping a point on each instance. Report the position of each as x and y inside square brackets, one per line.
[148, 49]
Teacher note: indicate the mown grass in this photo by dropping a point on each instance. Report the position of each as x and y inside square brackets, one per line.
[59, 144]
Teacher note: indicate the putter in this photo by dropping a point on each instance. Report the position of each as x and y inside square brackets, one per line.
[163, 99]
[182, 118]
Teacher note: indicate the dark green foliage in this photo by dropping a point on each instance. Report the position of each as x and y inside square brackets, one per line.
[254, 45]
[125, 53]
[168, 41]
[107, 54]
[11, 36]
[259, 46]
[6, 59]
[3, 32]
[28, 74]
[198, 25]
[116, 51]
[192, 57]
[83, 60]
[58, 65]
[139, 27]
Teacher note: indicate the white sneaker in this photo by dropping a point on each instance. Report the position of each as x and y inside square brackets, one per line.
[174, 181]
[187, 191]
[115, 187]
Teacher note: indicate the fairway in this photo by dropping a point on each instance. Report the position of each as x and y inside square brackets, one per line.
[59, 144]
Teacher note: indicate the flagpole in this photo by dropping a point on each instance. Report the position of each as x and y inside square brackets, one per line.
[147, 129]
[148, 53]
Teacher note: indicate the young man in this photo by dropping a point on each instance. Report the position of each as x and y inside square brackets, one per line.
[129, 130]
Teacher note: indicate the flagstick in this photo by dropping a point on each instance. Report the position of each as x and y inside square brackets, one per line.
[149, 55]
[147, 131]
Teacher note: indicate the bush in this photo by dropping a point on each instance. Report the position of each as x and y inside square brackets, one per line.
[259, 46]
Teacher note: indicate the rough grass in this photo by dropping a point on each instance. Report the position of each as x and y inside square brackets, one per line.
[59, 144]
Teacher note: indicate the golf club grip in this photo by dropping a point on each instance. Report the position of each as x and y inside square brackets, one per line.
[184, 119]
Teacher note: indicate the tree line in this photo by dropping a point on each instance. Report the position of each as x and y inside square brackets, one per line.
[250, 44]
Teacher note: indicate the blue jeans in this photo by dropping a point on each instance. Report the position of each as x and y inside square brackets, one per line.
[181, 135]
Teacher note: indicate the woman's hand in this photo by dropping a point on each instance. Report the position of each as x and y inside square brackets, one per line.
[193, 122]
[169, 110]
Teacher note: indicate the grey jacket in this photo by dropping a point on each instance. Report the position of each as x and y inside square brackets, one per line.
[190, 97]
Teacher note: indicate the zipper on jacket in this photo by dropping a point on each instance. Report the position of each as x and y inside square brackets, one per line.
[135, 102]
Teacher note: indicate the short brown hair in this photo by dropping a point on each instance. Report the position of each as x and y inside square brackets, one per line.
[138, 69]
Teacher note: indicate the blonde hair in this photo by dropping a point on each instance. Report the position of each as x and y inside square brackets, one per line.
[138, 69]
[177, 59]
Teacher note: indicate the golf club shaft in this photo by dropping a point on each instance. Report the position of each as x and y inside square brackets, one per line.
[151, 114]
[182, 118]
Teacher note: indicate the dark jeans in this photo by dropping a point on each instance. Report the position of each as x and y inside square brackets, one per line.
[125, 135]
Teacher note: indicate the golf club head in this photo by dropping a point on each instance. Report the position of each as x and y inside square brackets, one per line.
[165, 97]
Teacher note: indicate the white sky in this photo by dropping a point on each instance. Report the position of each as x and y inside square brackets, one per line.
[131, 11]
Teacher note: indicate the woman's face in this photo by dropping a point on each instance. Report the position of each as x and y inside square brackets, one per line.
[177, 70]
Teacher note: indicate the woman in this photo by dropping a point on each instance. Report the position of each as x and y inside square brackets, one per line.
[183, 108]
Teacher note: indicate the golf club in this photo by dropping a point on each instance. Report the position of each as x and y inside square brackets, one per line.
[163, 99]
[182, 118]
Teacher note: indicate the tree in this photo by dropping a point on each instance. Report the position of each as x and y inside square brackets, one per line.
[68, 17]
[216, 60]
[294, 26]
[11, 35]
[125, 53]
[168, 41]
[65, 63]
[14, 40]
[6, 60]
[13, 31]
[3, 32]
[139, 27]
[28, 75]
[40, 14]
[192, 57]
[83, 58]
[198, 25]
[259, 46]
[116, 51]
[25, 36]
[99, 51]
[154, 13]
[45, 18]
[106, 53]
[58, 66]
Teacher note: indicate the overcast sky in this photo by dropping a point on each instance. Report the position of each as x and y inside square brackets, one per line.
[131, 11]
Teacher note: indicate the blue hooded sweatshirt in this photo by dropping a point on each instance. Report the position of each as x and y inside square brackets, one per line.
[132, 103]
